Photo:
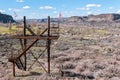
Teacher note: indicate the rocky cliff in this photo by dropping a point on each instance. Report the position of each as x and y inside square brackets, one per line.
[75, 19]
[104, 17]
[96, 18]
[4, 18]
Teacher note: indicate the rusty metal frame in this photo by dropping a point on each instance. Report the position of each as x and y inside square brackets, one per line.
[23, 41]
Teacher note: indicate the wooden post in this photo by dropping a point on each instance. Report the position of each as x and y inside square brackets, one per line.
[25, 42]
[48, 44]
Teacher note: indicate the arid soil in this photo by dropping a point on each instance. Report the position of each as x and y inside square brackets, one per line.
[84, 51]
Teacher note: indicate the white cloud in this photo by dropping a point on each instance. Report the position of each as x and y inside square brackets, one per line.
[110, 7]
[10, 9]
[2, 11]
[19, 1]
[93, 5]
[55, 12]
[14, 9]
[118, 11]
[89, 6]
[89, 13]
[86, 8]
[47, 8]
[26, 7]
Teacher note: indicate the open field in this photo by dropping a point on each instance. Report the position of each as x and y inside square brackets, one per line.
[6, 30]
[83, 52]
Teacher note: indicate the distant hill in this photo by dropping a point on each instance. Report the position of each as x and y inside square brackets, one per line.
[77, 19]
[104, 17]
[5, 18]
[97, 18]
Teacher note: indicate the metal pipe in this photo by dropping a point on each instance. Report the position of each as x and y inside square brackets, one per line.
[48, 44]
[25, 41]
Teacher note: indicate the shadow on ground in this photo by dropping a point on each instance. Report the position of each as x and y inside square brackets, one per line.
[30, 74]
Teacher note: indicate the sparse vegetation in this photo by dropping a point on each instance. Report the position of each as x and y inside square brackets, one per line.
[83, 52]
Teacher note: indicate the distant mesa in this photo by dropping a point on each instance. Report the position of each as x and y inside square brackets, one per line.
[104, 17]
[75, 19]
[5, 18]
[97, 18]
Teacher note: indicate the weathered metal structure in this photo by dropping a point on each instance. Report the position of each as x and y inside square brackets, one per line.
[19, 59]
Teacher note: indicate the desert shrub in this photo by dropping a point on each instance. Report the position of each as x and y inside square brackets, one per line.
[53, 56]
[69, 65]
[2, 72]
[62, 46]
[109, 72]
[118, 57]
[63, 59]
[81, 68]
[46, 77]
[98, 66]
[114, 78]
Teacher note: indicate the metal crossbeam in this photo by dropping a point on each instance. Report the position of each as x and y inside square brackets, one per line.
[36, 60]
[27, 48]
[45, 35]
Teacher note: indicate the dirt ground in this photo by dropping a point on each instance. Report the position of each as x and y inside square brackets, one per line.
[83, 51]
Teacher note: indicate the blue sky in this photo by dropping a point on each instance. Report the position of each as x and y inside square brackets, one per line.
[42, 8]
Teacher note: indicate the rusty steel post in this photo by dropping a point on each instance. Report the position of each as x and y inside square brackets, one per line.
[14, 69]
[48, 44]
[25, 42]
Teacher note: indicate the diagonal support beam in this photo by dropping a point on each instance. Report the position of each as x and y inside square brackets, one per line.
[37, 60]
[28, 28]
[27, 48]
[21, 64]
[43, 32]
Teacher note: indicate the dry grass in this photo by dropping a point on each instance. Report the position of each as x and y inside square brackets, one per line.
[85, 52]
[6, 30]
